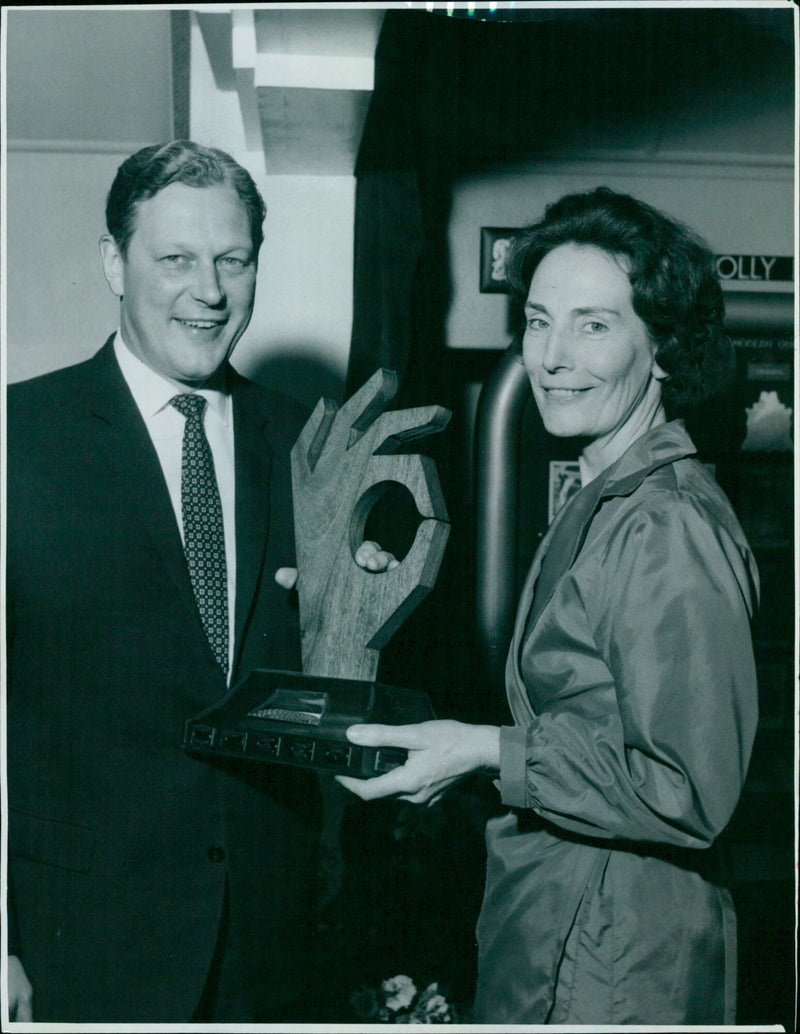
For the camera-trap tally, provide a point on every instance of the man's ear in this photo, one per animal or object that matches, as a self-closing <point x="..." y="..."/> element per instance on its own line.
<point x="113" y="264"/>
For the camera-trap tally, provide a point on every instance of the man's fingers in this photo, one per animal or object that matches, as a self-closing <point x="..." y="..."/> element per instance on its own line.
<point x="366" y="550"/>
<point x="20" y="992"/>
<point x="24" y="1013"/>
<point x="371" y="557"/>
<point x="286" y="577"/>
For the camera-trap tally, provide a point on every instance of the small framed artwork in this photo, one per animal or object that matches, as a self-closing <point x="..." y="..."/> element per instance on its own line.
<point x="495" y="242"/>
<point x="565" y="481"/>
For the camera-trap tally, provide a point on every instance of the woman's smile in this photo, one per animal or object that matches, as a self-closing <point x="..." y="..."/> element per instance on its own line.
<point x="554" y="394"/>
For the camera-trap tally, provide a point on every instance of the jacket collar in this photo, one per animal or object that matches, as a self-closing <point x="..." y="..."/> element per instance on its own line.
<point x="656" y="448"/>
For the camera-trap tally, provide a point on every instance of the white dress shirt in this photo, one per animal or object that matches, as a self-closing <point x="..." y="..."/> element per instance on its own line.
<point x="152" y="394"/>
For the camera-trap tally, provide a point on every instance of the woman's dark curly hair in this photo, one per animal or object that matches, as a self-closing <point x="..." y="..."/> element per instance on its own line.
<point x="672" y="271"/>
<point x="145" y="173"/>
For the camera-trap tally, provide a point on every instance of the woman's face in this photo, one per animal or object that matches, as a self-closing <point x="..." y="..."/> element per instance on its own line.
<point x="589" y="357"/>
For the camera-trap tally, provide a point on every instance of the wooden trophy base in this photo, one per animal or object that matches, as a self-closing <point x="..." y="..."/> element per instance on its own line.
<point x="288" y="718"/>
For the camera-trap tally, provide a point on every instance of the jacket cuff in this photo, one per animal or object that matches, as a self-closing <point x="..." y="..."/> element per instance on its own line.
<point x="513" y="767"/>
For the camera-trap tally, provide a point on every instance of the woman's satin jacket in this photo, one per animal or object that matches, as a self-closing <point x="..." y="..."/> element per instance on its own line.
<point x="635" y="706"/>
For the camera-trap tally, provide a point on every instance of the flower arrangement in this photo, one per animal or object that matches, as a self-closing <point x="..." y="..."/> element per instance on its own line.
<point x="397" y="1000"/>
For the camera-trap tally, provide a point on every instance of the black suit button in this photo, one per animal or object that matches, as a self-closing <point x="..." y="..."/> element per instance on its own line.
<point x="216" y="853"/>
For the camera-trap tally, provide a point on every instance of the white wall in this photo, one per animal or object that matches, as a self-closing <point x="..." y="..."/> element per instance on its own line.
<point x="59" y="309"/>
<point x="82" y="75"/>
<point x="304" y="302"/>
<point x="83" y="89"/>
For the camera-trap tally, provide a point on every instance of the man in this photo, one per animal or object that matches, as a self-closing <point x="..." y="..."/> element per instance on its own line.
<point x="147" y="885"/>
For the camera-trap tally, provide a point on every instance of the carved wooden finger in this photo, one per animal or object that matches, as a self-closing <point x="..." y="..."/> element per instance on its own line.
<point x="341" y="464"/>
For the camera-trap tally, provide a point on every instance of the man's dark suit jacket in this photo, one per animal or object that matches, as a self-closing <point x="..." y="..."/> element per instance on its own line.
<point x="119" y="843"/>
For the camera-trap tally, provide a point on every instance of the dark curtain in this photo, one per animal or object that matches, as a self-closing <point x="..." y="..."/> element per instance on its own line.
<point x="402" y="183"/>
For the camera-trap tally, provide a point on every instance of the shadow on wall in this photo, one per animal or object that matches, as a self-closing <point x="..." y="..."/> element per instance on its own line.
<point x="303" y="377"/>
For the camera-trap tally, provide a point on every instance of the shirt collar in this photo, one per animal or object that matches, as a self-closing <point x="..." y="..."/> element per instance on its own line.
<point x="153" y="392"/>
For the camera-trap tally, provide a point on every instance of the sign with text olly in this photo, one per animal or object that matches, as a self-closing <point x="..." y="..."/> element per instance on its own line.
<point x="770" y="268"/>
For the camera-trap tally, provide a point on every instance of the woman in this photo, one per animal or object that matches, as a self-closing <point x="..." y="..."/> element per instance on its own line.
<point x="630" y="675"/>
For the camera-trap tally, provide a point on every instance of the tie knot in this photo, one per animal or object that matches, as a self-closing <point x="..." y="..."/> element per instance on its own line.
<point x="188" y="404"/>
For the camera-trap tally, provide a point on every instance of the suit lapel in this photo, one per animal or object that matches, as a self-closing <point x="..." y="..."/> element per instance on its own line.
<point x="253" y="470"/>
<point x="121" y="435"/>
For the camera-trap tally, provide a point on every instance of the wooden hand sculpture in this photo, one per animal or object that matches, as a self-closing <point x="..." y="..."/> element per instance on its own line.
<point x="342" y="463"/>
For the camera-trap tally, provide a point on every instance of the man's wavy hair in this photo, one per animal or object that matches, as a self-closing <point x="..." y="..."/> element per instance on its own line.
<point x="676" y="292"/>
<point x="152" y="168"/>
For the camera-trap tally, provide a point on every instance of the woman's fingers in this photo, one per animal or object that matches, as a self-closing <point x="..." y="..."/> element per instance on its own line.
<point x="440" y="752"/>
<point x="412" y="737"/>
<point x="388" y="785"/>
<point x="423" y="776"/>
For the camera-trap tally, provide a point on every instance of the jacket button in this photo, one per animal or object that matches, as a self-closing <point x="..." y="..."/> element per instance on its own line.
<point x="216" y="853"/>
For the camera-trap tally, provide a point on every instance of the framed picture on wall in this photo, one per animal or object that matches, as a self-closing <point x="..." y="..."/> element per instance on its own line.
<point x="495" y="242"/>
<point x="564" y="482"/>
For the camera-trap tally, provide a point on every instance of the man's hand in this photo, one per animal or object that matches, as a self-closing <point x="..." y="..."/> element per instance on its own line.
<point x="20" y="992"/>
<point x="369" y="555"/>
<point x="439" y="753"/>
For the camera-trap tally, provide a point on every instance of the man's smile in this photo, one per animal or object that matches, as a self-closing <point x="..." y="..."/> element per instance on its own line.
<point x="200" y="324"/>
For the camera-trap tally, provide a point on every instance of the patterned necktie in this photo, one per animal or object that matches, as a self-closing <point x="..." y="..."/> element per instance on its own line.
<point x="203" y="534"/>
